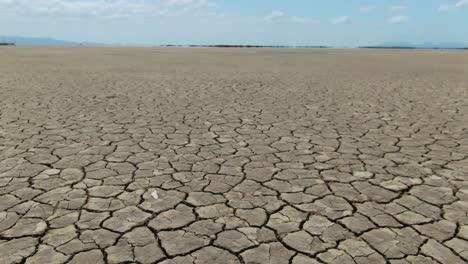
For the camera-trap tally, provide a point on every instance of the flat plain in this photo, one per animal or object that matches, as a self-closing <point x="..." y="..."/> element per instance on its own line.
<point x="141" y="155"/>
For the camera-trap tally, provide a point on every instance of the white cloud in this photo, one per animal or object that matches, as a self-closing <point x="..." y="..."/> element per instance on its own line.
<point x="398" y="8"/>
<point x="342" y="20"/>
<point x="457" y="5"/>
<point x="178" y="2"/>
<point x="102" y="8"/>
<point x="6" y="2"/>
<point x="279" y="16"/>
<point x="445" y="8"/>
<point x="300" y="20"/>
<point x="398" y="20"/>
<point x="367" y="9"/>
<point x="304" y="20"/>
<point x="275" y="16"/>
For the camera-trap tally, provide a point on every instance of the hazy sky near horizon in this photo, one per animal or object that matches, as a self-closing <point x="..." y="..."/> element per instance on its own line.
<point x="267" y="22"/>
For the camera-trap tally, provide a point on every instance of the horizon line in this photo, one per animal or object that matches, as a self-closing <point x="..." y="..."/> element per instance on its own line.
<point x="245" y="46"/>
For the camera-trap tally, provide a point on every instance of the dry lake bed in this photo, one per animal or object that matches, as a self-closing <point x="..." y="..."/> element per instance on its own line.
<point x="121" y="155"/>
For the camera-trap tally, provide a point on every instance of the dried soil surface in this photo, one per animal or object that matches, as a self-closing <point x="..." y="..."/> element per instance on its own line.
<point x="111" y="155"/>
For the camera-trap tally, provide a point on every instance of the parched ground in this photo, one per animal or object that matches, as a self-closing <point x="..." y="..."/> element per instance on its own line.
<point x="233" y="156"/>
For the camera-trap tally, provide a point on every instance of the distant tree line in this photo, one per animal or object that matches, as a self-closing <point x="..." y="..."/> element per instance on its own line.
<point x="7" y="44"/>
<point x="242" y="46"/>
<point x="386" y="47"/>
<point x="410" y="48"/>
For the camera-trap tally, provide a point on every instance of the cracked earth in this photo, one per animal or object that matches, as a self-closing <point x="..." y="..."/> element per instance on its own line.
<point x="233" y="156"/>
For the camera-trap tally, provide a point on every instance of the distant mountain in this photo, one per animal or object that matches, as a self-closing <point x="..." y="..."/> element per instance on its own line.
<point x="426" y="45"/>
<point x="33" y="41"/>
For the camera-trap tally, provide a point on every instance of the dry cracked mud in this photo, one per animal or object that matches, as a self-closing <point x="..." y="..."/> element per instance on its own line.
<point x="233" y="156"/>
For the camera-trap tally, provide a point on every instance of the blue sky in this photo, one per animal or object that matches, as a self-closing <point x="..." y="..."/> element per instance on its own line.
<point x="344" y="23"/>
